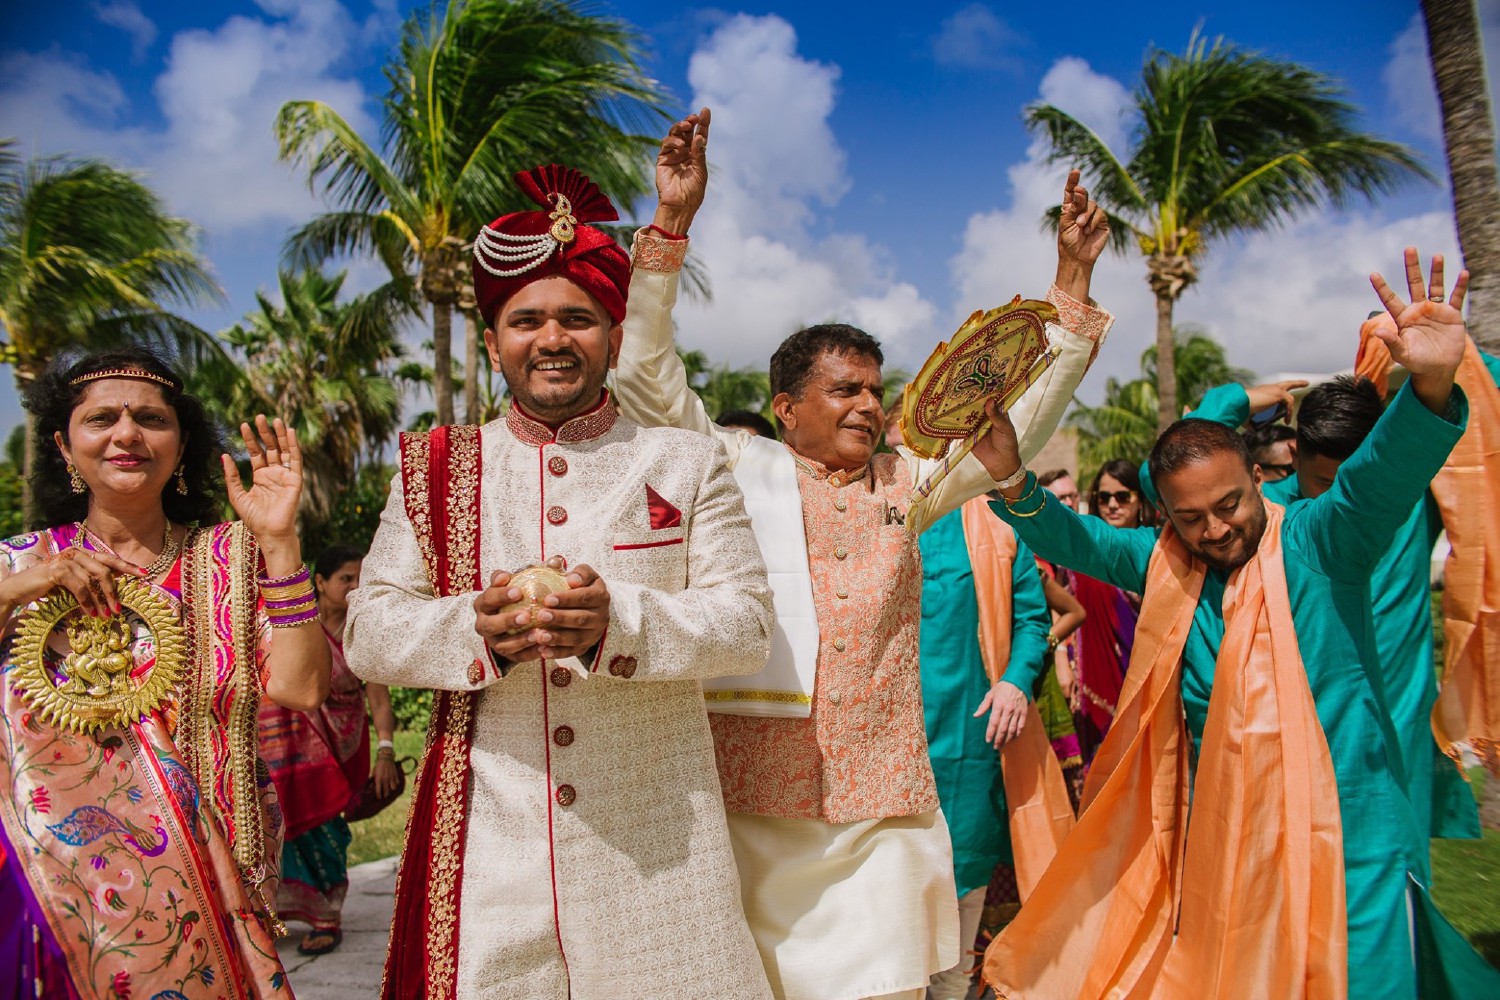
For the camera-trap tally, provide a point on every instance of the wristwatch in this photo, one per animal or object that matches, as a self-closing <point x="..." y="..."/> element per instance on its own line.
<point x="1014" y="479"/>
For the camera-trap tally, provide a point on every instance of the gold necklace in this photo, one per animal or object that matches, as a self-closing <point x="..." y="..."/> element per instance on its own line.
<point x="159" y="565"/>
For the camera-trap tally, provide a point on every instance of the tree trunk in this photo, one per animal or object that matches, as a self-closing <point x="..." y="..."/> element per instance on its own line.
<point x="29" y="514"/>
<point x="442" y="361"/>
<point x="471" y="367"/>
<point x="1489" y="803"/>
<point x="1453" y="44"/>
<point x="1166" y="365"/>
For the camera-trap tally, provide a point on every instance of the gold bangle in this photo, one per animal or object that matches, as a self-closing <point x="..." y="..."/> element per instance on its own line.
<point x="1032" y="513"/>
<point x="1022" y="499"/>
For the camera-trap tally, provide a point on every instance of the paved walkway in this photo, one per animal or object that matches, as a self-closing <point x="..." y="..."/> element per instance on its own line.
<point x="352" y="970"/>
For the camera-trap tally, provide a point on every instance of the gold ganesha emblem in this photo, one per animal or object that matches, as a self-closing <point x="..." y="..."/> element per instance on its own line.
<point x="94" y="687"/>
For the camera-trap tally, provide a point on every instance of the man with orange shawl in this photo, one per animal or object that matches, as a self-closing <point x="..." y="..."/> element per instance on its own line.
<point x="1334" y="418"/>
<point x="1255" y="638"/>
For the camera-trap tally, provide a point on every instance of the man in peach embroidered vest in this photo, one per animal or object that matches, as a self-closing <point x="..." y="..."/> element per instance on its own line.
<point x="1293" y="866"/>
<point x="567" y="839"/>
<point x="844" y="858"/>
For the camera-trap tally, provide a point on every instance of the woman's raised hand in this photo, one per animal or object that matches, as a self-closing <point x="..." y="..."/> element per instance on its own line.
<point x="269" y="506"/>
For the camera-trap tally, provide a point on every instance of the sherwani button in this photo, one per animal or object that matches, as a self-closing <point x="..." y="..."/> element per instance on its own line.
<point x="843" y="594"/>
<point x="840" y="553"/>
<point x="834" y="698"/>
<point x="557" y="465"/>
<point x="627" y="669"/>
<point x="566" y="795"/>
<point x="840" y="503"/>
<point x="563" y="736"/>
<point x="561" y="677"/>
<point x="839" y="644"/>
<point x="476" y="672"/>
<point x="616" y="665"/>
<point x="556" y="515"/>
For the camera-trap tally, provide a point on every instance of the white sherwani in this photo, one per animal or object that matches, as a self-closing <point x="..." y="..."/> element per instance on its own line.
<point x="596" y="862"/>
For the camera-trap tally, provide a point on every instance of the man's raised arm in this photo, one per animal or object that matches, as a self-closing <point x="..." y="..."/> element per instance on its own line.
<point x="650" y="380"/>
<point x="1082" y="235"/>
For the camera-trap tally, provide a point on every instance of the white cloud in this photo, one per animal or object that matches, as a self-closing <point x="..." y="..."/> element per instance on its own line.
<point x="214" y="160"/>
<point x="1287" y="300"/>
<point x="1407" y="75"/>
<point x="976" y="38"/>
<point x="1100" y="102"/>
<point x="775" y="162"/>
<point x="126" y="16"/>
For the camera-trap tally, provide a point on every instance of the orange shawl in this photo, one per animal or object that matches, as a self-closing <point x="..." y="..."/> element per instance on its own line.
<point x="1468" y="494"/>
<point x="1373" y="359"/>
<point x="1040" y="814"/>
<point x="1254" y="886"/>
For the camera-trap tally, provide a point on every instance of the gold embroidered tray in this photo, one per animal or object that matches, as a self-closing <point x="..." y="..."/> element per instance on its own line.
<point x="95" y="688"/>
<point x="999" y="352"/>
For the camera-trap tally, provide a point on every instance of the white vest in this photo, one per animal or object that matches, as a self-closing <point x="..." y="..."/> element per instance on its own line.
<point x="767" y="474"/>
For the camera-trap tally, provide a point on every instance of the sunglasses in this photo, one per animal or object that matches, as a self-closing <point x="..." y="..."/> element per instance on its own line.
<point x="1121" y="497"/>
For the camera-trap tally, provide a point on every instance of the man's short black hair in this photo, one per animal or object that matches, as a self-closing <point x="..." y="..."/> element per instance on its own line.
<point x="748" y="419"/>
<point x="1262" y="436"/>
<point x="1190" y="441"/>
<point x="1336" y="417"/>
<point x="792" y="364"/>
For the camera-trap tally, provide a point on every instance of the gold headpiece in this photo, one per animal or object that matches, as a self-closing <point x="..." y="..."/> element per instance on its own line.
<point x="124" y="373"/>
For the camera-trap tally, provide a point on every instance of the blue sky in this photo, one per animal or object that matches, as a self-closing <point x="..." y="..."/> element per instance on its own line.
<point x="870" y="160"/>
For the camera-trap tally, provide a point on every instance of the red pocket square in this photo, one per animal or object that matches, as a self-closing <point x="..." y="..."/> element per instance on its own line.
<point x="663" y="514"/>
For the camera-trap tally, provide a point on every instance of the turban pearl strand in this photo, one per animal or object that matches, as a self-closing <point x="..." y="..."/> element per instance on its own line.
<point x="507" y="249"/>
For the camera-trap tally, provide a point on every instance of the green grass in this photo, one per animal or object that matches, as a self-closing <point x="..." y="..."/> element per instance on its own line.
<point x="1466" y="884"/>
<point x="380" y="836"/>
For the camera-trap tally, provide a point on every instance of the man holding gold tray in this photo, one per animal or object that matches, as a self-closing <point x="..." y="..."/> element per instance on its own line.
<point x="844" y="858"/>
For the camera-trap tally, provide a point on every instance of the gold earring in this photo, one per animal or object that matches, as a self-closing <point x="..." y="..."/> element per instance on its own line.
<point x="181" y="482"/>
<point x="75" y="480"/>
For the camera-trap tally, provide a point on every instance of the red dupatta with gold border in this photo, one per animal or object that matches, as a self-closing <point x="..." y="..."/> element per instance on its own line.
<point x="440" y="476"/>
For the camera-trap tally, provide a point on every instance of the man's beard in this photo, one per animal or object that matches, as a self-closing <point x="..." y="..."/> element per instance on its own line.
<point x="1239" y="548"/>
<point x="555" y="402"/>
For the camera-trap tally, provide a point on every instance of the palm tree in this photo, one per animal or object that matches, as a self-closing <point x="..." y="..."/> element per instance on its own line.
<point x="479" y="91"/>
<point x="1124" y="425"/>
<point x="330" y="367"/>
<point x="1229" y="141"/>
<point x="89" y="258"/>
<point x="1453" y="44"/>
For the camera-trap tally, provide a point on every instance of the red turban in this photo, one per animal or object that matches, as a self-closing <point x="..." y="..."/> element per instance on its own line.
<point x="517" y="249"/>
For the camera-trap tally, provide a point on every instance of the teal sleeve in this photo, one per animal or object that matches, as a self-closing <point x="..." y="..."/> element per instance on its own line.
<point x="1085" y="544"/>
<point x="1030" y="622"/>
<point x="1349" y="528"/>
<point x="1223" y="404"/>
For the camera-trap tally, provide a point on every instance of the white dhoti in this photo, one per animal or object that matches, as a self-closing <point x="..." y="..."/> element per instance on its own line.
<point x="847" y="911"/>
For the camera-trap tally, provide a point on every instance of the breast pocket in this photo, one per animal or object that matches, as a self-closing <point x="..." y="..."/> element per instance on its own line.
<point x="656" y="559"/>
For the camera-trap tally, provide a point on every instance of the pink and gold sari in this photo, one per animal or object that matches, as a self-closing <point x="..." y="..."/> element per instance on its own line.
<point x="138" y="861"/>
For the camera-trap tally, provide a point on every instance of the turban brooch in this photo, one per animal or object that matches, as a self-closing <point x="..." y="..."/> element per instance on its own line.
<point x="517" y="249"/>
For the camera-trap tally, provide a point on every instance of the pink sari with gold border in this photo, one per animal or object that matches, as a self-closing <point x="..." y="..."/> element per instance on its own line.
<point x="141" y="857"/>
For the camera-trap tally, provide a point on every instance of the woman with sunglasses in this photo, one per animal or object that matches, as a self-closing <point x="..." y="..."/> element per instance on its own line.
<point x="1104" y="641"/>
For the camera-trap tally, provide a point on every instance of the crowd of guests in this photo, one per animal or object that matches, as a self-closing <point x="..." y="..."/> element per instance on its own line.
<point x="721" y="714"/>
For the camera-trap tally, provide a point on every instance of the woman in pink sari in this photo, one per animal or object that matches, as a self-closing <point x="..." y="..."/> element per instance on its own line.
<point x="139" y="831"/>
<point x="319" y="762"/>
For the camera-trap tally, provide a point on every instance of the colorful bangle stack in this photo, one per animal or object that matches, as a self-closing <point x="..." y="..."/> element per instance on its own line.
<point x="290" y="600"/>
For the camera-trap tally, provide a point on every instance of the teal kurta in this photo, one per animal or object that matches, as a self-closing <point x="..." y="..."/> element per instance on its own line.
<point x="967" y="768"/>
<point x="1401" y="604"/>
<point x="1330" y="545"/>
